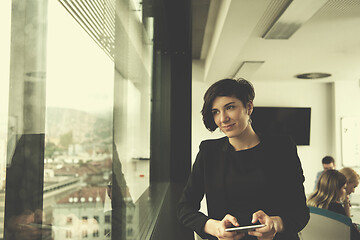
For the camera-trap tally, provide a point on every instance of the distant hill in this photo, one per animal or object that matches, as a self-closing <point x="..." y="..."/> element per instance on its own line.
<point x="84" y="126"/>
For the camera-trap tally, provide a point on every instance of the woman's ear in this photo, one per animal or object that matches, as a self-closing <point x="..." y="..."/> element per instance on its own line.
<point x="250" y="108"/>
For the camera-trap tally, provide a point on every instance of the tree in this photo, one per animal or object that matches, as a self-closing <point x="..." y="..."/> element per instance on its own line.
<point x="66" y="139"/>
<point x="50" y="148"/>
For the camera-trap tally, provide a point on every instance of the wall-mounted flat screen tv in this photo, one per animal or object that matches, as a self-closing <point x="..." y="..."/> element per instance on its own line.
<point x="293" y="121"/>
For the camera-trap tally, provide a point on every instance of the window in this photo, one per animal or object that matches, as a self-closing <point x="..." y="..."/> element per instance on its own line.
<point x="86" y="103"/>
<point x="107" y="232"/>
<point x="8" y="124"/>
<point x="84" y="234"/>
<point x="68" y="234"/>
<point x="96" y="233"/>
<point x="107" y="219"/>
<point x="130" y="232"/>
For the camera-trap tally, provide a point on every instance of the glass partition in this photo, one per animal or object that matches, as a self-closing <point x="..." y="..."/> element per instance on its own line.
<point x="5" y="19"/>
<point x="77" y="132"/>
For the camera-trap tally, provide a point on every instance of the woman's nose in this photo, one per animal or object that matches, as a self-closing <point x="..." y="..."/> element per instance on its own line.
<point x="224" y="117"/>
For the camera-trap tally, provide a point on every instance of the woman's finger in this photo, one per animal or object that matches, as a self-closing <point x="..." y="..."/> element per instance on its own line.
<point x="257" y="216"/>
<point x="231" y="219"/>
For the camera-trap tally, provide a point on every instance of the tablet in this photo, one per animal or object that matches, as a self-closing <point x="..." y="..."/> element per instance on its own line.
<point x="244" y="228"/>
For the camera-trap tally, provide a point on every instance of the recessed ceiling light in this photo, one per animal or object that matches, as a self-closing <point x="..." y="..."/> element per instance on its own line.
<point x="247" y="69"/>
<point x="313" y="75"/>
<point x="295" y="15"/>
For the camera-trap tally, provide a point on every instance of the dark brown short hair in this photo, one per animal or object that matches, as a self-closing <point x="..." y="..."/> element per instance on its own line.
<point x="239" y="88"/>
<point x="327" y="160"/>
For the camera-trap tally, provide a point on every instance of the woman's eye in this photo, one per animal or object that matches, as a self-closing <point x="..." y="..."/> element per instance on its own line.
<point x="214" y="112"/>
<point x="230" y="107"/>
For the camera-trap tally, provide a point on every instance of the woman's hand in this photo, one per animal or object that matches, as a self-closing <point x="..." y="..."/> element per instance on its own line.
<point x="347" y="205"/>
<point x="273" y="224"/>
<point x="217" y="228"/>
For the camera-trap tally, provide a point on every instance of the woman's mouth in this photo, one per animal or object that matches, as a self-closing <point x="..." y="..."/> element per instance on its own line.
<point x="228" y="127"/>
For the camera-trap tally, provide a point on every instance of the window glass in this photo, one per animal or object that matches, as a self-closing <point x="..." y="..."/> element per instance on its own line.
<point x="78" y="133"/>
<point x="5" y="18"/>
<point x="78" y="127"/>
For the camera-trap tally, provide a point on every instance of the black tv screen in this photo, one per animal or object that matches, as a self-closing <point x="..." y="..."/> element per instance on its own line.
<point x="293" y="121"/>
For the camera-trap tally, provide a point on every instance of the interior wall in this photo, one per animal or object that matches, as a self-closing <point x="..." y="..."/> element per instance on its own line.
<point x="347" y="98"/>
<point x="318" y="96"/>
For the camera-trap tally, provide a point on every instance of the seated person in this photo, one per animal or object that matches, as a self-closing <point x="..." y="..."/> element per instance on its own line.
<point x="328" y="162"/>
<point x="352" y="182"/>
<point x="330" y="194"/>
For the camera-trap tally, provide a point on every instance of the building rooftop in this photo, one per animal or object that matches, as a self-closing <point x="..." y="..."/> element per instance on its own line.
<point x="85" y="195"/>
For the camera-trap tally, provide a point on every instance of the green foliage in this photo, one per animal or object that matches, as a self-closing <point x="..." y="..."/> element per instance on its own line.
<point x="66" y="139"/>
<point x="50" y="149"/>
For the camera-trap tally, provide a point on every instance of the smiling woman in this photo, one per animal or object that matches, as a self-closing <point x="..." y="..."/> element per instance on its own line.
<point x="232" y="117"/>
<point x="237" y="173"/>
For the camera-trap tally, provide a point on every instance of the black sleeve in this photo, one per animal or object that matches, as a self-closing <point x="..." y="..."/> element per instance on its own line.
<point x="294" y="211"/>
<point x="189" y="204"/>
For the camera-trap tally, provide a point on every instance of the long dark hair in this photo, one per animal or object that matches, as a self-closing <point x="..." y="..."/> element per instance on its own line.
<point x="327" y="189"/>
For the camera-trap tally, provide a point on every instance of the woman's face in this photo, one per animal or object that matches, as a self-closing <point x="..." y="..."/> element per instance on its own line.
<point x="231" y="116"/>
<point x="351" y="187"/>
<point x="343" y="192"/>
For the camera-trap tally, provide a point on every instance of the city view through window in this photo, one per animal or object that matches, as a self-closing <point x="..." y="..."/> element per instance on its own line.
<point x="78" y="131"/>
<point x="94" y="97"/>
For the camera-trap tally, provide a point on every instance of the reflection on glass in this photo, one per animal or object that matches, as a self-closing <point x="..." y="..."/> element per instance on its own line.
<point x="5" y="17"/>
<point x="78" y="125"/>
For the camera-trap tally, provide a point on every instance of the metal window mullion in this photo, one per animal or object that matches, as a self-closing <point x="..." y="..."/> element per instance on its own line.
<point x="110" y="15"/>
<point x="111" y="5"/>
<point x="68" y="6"/>
<point x="107" y="18"/>
<point x="83" y="24"/>
<point x="106" y="28"/>
<point x="80" y="17"/>
<point x="108" y="8"/>
<point x="95" y="15"/>
<point x="89" y="19"/>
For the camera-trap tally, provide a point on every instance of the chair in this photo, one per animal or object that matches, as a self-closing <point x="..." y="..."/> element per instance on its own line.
<point x="326" y="225"/>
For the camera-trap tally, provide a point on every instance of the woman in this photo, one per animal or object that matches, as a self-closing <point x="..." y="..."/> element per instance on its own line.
<point x="330" y="192"/>
<point x="352" y="179"/>
<point x="246" y="177"/>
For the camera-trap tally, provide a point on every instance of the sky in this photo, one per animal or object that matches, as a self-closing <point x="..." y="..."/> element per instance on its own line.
<point x="79" y="74"/>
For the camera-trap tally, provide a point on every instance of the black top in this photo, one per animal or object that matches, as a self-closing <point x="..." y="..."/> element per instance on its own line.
<point x="244" y="176"/>
<point x="282" y="191"/>
<point x="337" y="207"/>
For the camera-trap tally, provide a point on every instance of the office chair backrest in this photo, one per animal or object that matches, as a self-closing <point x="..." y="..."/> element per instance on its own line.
<point x="326" y="225"/>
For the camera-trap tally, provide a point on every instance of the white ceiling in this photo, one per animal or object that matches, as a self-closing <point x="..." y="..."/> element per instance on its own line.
<point x="329" y="42"/>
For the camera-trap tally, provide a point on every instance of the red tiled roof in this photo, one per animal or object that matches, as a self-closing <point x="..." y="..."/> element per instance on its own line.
<point x="85" y="195"/>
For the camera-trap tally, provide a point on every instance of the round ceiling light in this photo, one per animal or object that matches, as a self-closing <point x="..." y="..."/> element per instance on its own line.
<point x="313" y="75"/>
